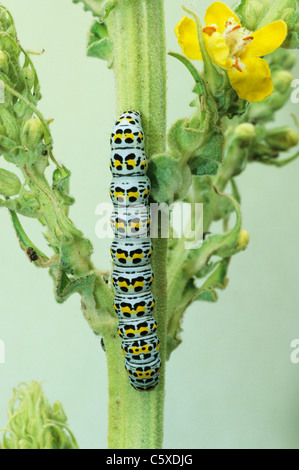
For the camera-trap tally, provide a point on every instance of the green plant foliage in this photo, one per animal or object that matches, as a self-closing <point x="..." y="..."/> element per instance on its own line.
<point x="99" y="44"/>
<point x="35" y="424"/>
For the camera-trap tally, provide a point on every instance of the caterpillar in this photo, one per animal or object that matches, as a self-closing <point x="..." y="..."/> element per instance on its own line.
<point x="131" y="252"/>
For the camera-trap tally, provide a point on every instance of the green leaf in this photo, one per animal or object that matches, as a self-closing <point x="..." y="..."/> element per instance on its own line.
<point x="61" y="185"/>
<point x="211" y="154"/>
<point x="217" y="280"/>
<point x="10" y="184"/>
<point x="235" y="191"/>
<point x="99" y="8"/>
<point x="201" y="166"/>
<point x="184" y="139"/>
<point x="170" y="177"/>
<point x="99" y="44"/>
<point x="199" y="84"/>
<point x="23" y="238"/>
<point x="107" y="6"/>
<point x="95" y="6"/>
<point x="219" y="244"/>
<point x="199" y="140"/>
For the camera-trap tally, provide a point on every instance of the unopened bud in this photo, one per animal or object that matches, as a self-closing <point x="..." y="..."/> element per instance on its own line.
<point x="289" y="16"/>
<point x="243" y="239"/>
<point x="282" y="80"/>
<point x="33" y="133"/>
<point x="282" y="138"/>
<point x="10" y="184"/>
<point x="252" y="13"/>
<point x="289" y="60"/>
<point x="245" y="131"/>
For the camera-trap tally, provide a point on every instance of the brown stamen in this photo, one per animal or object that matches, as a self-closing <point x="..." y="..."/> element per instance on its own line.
<point x="237" y="66"/>
<point x="235" y="28"/>
<point x="209" y="30"/>
<point x="248" y="38"/>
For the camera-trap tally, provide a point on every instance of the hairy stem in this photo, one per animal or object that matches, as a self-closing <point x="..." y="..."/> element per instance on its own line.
<point x="137" y="28"/>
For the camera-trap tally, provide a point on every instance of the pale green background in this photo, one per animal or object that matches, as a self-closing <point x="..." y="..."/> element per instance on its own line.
<point x="231" y="383"/>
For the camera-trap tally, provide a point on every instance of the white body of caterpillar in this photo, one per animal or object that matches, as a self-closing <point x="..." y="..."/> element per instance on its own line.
<point x="131" y="251"/>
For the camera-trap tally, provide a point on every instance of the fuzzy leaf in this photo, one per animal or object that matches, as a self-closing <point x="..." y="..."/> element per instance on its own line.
<point x="211" y="153"/>
<point x="95" y="6"/>
<point x="61" y="185"/>
<point x="170" y="178"/>
<point x="219" y="244"/>
<point x="199" y="84"/>
<point x="10" y="184"/>
<point x="200" y="139"/>
<point x="217" y="280"/>
<point x="99" y="44"/>
<point x="183" y="139"/>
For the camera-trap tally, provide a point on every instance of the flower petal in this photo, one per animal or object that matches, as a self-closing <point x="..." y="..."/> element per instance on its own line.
<point x="217" y="48"/>
<point x="218" y="14"/>
<point x="254" y="83"/>
<point x="186" y="32"/>
<point x="266" y="39"/>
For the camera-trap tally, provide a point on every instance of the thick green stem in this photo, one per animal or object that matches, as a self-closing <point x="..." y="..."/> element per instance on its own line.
<point x="137" y="29"/>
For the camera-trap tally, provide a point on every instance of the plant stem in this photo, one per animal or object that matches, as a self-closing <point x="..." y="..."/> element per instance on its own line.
<point x="137" y="29"/>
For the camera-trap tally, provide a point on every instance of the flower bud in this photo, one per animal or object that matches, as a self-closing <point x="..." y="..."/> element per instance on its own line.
<point x="278" y="10"/>
<point x="292" y="40"/>
<point x="289" y="17"/>
<point x="10" y="184"/>
<point x="245" y="131"/>
<point x="282" y="138"/>
<point x="251" y="12"/>
<point x="289" y="60"/>
<point x="282" y="80"/>
<point x="32" y="133"/>
<point x="243" y="239"/>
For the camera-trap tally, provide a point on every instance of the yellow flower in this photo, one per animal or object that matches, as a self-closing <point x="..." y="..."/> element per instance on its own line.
<point x="235" y="49"/>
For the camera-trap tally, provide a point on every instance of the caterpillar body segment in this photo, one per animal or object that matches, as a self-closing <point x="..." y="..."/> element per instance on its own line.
<point x="137" y="328"/>
<point x="141" y="350"/>
<point x="131" y="252"/>
<point x="134" y="306"/>
<point x="132" y="280"/>
<point x="130" y="190"/>
<point x="131" y="221"/>
<point x="145" y="376"/>
<point x="131" y="118"/>
<point x="128" y="162"/>
<point x="124" y="137"/>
